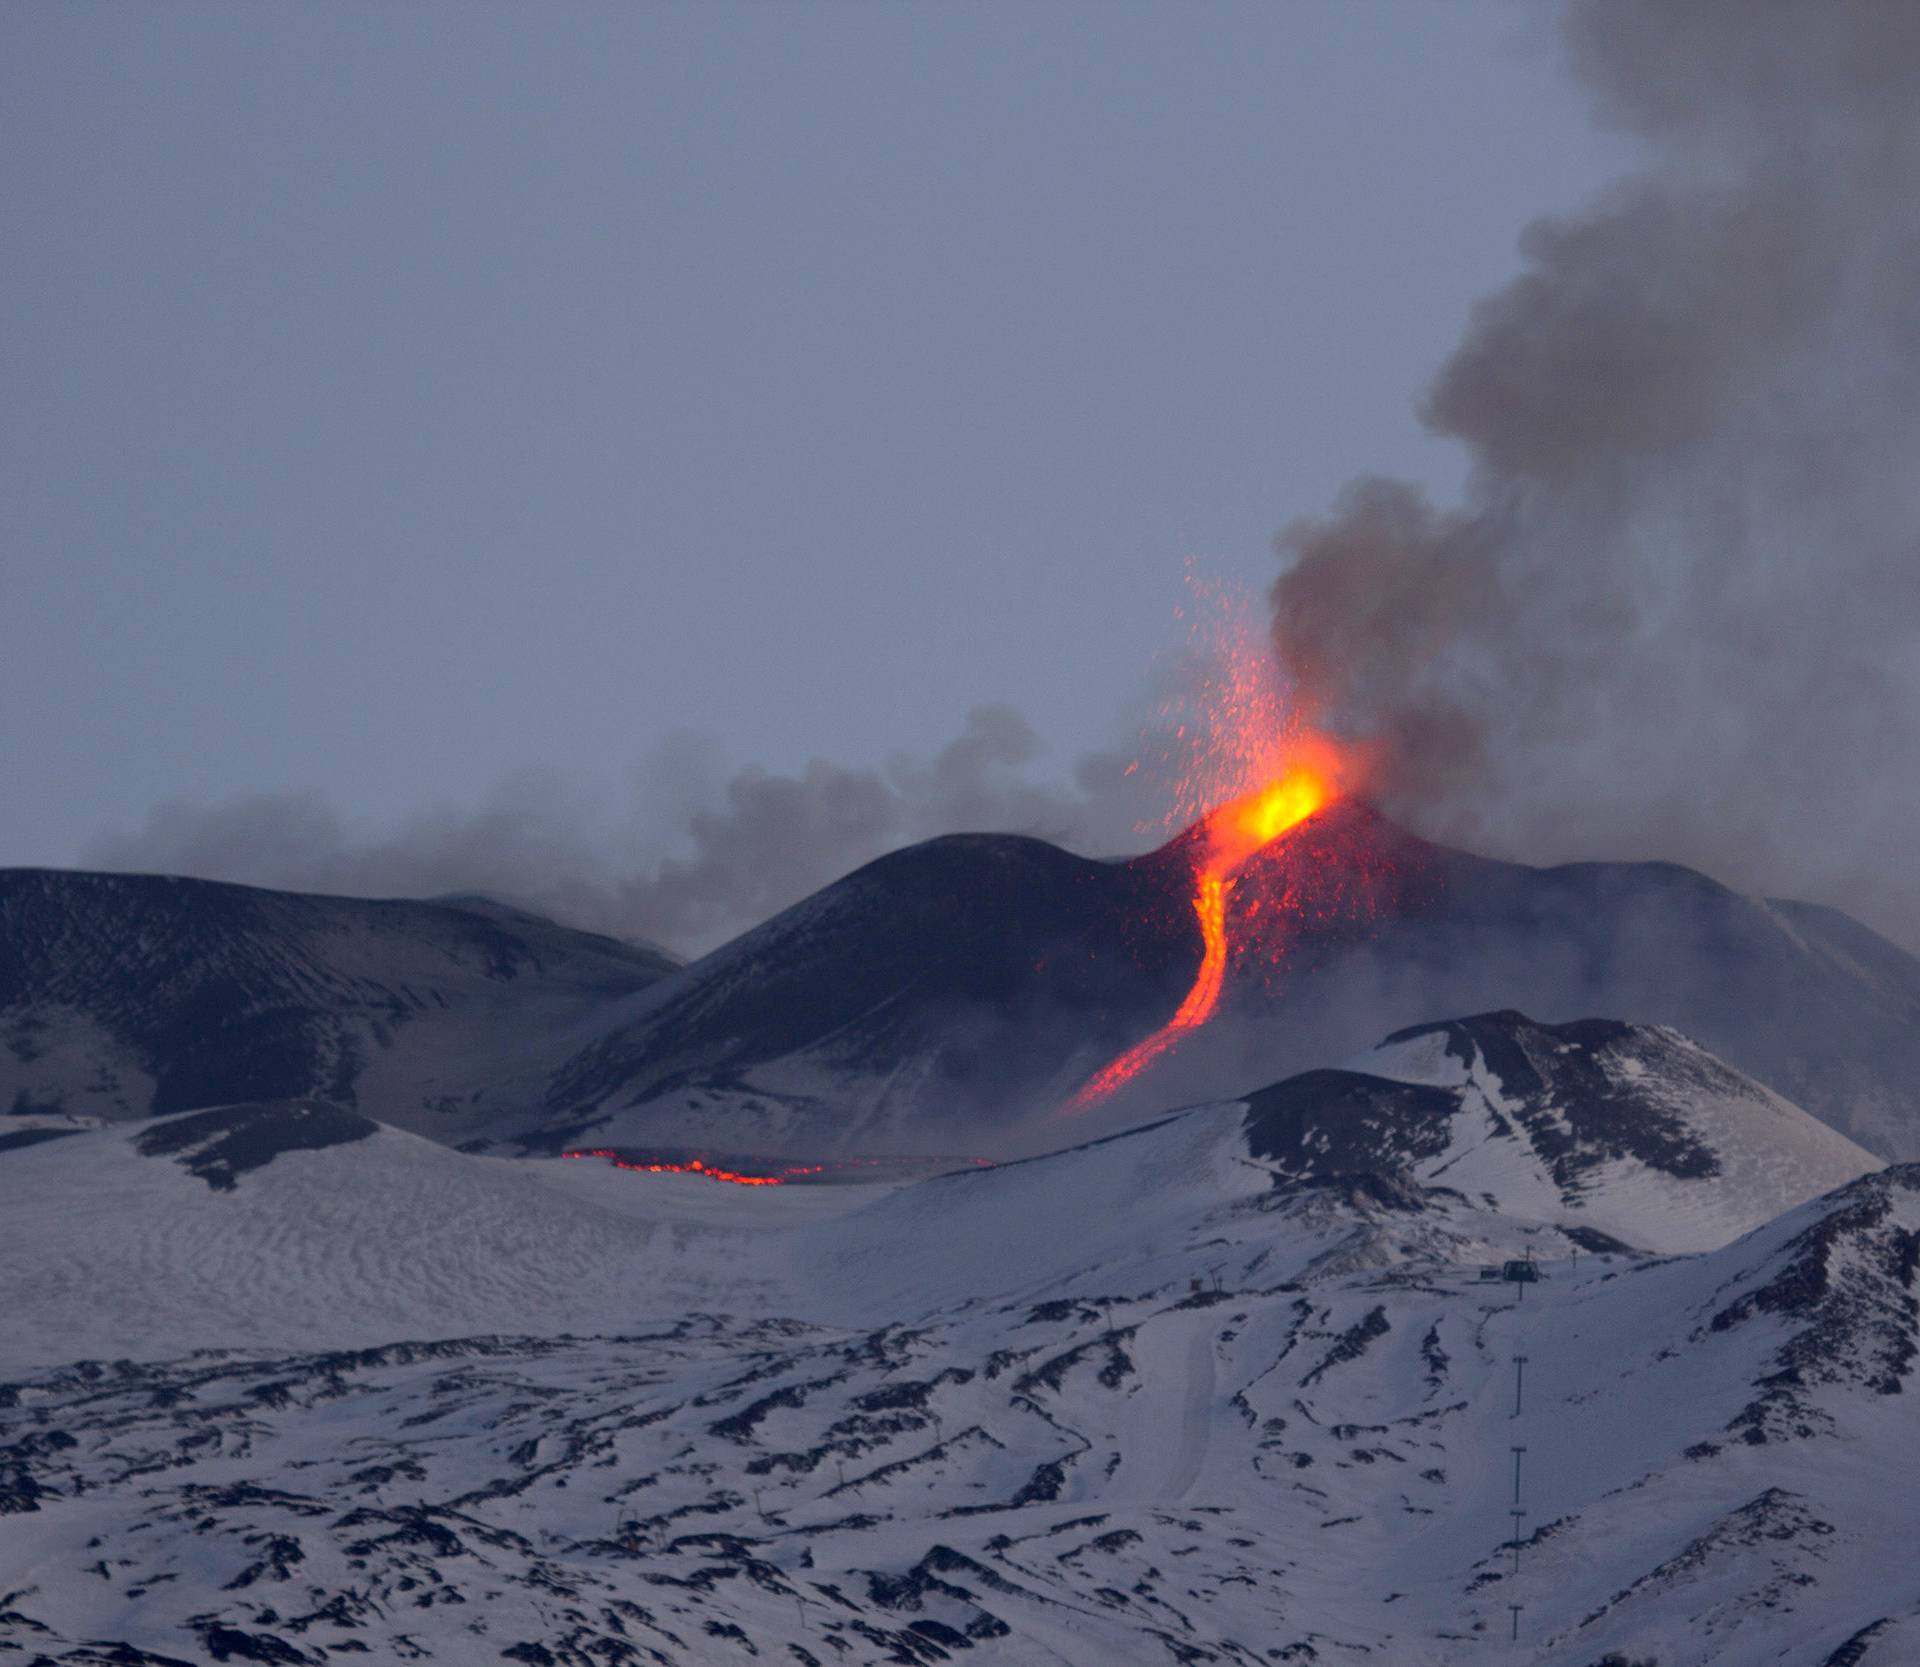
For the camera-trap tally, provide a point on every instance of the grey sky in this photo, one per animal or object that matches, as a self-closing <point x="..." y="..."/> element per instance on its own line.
<point x="396" y="399"/>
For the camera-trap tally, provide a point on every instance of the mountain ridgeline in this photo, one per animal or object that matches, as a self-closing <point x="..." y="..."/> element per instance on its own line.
<point x="947" y="997"/>
<point x="960" y="990"/>
<point x="282" y="1381"/>
<point x="126" y="995"/>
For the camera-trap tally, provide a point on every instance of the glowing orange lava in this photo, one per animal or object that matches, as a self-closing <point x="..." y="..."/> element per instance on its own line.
<point x="1232" y="834"/>
<point x="694" y="1166"/>
<point x="1232" y="752"/>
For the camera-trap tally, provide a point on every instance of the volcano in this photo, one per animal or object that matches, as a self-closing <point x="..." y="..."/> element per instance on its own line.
<point x="952" y="997"/>
<point x="961" y="991"/>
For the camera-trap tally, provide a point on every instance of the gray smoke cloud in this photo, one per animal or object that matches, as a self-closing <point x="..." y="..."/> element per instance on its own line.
<point x="1678" y="613"/>
<point x="695" y="860"/>
<point x="772" y="839"/>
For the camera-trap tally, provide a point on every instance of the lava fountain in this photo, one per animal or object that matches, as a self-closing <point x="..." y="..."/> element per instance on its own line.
<point x="1230" y="835"/>
<point x="1234" y="729"/>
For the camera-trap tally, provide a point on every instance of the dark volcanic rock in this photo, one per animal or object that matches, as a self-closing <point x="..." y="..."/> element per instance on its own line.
<point x="13" y="1141"/>
<point x="938" y="996"/>
<point x="1579" y="1107"/>
<point x="971" y="982"/>
<point x="1846" y="1282"/>
<point x="1325" y="1123"/>
<point x="1578" y="1096"/>
<point x="982" y="962"/>
<point x="125" y="995"/>
<point x="224" y="1143"/>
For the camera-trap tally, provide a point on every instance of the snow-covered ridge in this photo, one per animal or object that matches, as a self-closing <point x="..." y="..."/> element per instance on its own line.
<point x="270" y="1224"/>
<point x="1244" y="1452"/>
<point x="1633" y="1131"/>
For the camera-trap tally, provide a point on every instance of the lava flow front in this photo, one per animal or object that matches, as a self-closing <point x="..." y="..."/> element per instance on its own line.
<point x="664" y="1164"/>
<point x="744" y="1170"/>
<point x="1231" y="835"/>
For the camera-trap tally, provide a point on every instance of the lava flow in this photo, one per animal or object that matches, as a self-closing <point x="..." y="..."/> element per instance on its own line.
<point x="1232" y="834"/>
<point x="745" y="1170"/>
<point x="694" y="1166"/>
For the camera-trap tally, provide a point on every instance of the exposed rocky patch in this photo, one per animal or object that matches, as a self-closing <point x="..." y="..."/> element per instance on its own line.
<point x="220" y="1145"/>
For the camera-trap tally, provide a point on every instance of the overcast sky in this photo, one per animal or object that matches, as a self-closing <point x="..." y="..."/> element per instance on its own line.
<point x="397" y="399"/>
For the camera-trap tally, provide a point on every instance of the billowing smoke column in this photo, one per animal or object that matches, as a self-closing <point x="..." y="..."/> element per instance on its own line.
<point x="1678" y="612"/>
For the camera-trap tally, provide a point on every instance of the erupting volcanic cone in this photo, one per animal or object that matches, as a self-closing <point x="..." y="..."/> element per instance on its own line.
<point x="1228" y="837"/>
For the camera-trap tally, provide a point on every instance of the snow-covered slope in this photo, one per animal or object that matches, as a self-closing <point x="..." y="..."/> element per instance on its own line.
<point x="124" y="994"/>
<point x="298" y="1224"/>
<point x="1595" y="1124"/>
<point x="1249" y="1452"/>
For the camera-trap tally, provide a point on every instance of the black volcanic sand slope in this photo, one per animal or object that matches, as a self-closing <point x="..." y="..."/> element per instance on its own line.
<point x="1569" y="1089"/>
<point x="223" y="1143"/>
<point x="941" y="997"/>
<point x="1801" y="997"/>
<point x="964" y="985"/>
<point x="1384" y="930"/>
<point x="1325" y="1123"/>
<point x="124" y="995"/>
<point x="15" y="1139"/>
<point x="1809" y="1002"/>
<point x="979" y="963"/>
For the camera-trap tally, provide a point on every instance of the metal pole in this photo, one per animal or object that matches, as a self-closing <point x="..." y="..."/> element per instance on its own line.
<point x="1516" y="1473"/>
<point x="1519" y="1373"/>
<point x="1516" y="1515"/>
<point x="1516" y="1620"/>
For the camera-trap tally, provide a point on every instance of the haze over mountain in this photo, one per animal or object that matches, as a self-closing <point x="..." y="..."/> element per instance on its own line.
<point x="946" y="998"/>
<point x="957" y="991"/>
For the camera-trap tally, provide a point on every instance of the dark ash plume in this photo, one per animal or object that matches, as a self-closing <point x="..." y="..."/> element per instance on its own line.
<point x="1678" y="614"/>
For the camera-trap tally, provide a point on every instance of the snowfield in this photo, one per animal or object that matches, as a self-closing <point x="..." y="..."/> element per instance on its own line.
<point x="284" y="1384"/>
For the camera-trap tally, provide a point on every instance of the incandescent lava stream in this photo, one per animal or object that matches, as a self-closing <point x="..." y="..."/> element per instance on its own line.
<point x="1232" y="834"/>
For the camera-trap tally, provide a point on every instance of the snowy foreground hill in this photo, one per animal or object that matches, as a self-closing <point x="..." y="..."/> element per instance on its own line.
<point x="1228" y="1388"/>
